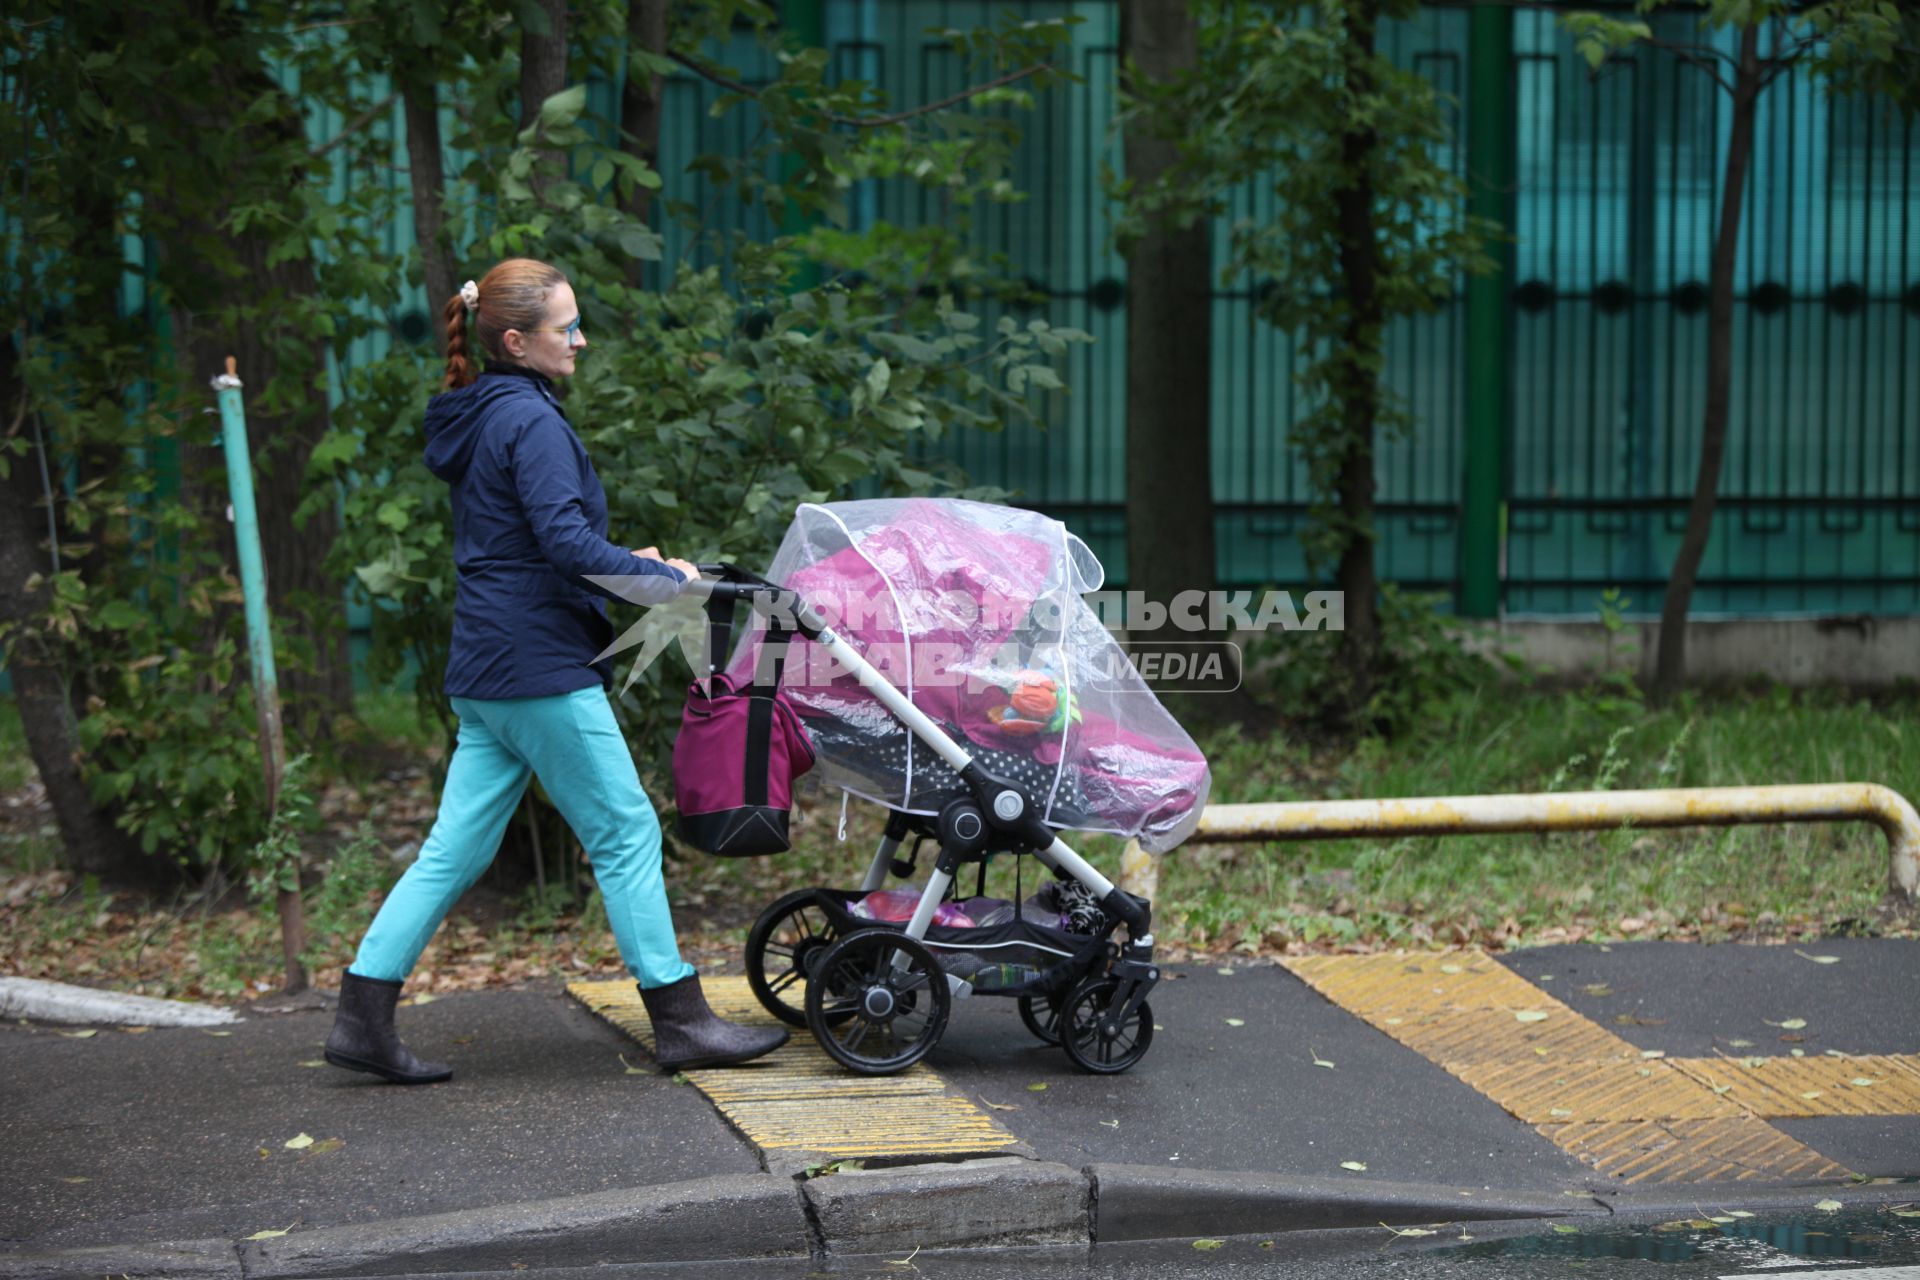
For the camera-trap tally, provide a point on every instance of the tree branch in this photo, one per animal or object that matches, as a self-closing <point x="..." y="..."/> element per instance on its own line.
<point x="867" y="122"/>
<point x="358" y="123"/>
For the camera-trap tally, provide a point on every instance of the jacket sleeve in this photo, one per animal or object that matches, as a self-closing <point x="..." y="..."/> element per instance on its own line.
<point x="546" y="475"/>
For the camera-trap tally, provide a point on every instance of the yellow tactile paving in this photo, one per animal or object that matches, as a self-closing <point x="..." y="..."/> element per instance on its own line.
<point x="1737" y="1150"/>
<point x="1876" y="1085"/>
<point x="1637" y="1118"/>
<point x="1573" y="1092"/>
<point x="1460" y="1037"/>
<point x="868" y="1126"/>
<point x="799" y="1099"/>
<point x="1433" y="981"/>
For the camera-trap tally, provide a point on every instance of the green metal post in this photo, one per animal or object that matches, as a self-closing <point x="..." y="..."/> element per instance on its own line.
<point x="1490" y="165"/>
<point x="266" y="682"/>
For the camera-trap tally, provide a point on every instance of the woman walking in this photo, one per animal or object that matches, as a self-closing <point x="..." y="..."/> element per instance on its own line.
<point x="529" y="525"/>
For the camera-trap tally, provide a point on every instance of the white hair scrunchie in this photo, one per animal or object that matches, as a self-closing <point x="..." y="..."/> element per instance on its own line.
<point x="470" y="294"/>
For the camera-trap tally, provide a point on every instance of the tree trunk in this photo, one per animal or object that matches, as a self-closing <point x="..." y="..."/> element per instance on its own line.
<point x="1169" y="495"/>
<point x="91" y="843"/>
<point x="1362" y="357"/>
<point x="1670" y="671"/>
<point x="543" y="73"/>
<point x="641" y="104"/>
<point x="427" y="178"/>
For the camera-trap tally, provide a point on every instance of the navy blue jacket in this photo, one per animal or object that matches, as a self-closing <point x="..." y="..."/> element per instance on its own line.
<point x="529" y="522"/>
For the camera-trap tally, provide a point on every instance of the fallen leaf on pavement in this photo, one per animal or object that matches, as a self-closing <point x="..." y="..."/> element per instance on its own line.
<point x="80" y="1035"/>
<point x="1829" y="1205"/>
<point x="299" y="1142"/>
<point x="1452" y="968"/>
<point x="906" y="1261"/>
<point x="268" y="1235"/>
<point x="1409" y="1231"/>
<point x="425" y="997"/>
<point x="1905" y="1213"/>
<point x="1357" y="1166"/>
<point x="1791" y="1024"/>
<point x="1225" y="973"/>
<point x="1236" y="1022"/>
<point x="1653" y="1053"/>
<point x="1740" y="1044"/>
<point x="76" y="1180"/>
<point x="631" y="1069"/>
<point x="1861" y="1082"/>
<point x="314" y="1062"/>
<point x="1208" y="1246"/>
<point x="218" y="1035"/>
<point x="326" y="1146"/>
<point x="1566" y="1230"/>
<point x="1529" y="1015"/>
<point x="1111" y="1124"/>
<point x="1000" y="1106"/>
<point x="1597" y="989"/>
<point x="1816" y="959"/>
<point x="1319" y="1061"/>
<point x="1810" y="1094"/>
<point x="136" y="1031"/>
<point x="1739" y="1213"/>
<point x="1037" y="1087"/>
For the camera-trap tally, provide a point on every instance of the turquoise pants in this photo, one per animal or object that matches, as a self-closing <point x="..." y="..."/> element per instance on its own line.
<point x="573" y="743"/>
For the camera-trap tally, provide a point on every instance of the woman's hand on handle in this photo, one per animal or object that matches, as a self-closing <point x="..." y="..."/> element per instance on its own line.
<point x="685" y="567"/>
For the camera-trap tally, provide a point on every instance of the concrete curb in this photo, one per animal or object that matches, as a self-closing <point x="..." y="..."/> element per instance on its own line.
<point x="1678" y="1202"/>
<point x="1002" y="1202"/>
<point x="1145" y="1202"/>
<point x="739" y="1216"/>
<point x="62" y="1002"/>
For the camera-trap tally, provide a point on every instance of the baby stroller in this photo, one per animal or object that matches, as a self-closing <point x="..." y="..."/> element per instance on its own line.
<point x="945" y="666"/>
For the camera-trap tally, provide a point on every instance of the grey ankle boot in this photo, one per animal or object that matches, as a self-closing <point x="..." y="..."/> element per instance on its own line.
<point x="363" y="1038"/>
<point x="687" y="1035"/>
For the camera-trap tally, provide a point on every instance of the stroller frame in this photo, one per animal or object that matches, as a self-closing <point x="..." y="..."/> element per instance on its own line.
<point x="881" y="979"/>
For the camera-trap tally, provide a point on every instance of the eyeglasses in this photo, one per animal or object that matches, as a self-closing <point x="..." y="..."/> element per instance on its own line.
<point x="568" y="329"/>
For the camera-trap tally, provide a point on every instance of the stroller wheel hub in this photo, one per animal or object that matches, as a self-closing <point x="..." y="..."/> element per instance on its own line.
<point x="1008" y="805"/>
<point x="878" y="1002"/>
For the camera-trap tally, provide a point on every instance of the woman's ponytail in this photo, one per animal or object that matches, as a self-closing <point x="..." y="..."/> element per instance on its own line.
<point x="459" y="364"/>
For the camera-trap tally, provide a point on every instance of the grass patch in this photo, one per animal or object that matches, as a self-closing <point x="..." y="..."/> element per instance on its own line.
<point x="1254" y="898"/>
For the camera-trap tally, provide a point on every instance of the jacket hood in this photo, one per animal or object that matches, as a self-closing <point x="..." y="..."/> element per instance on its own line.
<point x="456" y="419"/>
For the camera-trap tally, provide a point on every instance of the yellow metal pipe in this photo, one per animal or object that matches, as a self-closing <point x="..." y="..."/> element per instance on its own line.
<point x="1573" y="811"/>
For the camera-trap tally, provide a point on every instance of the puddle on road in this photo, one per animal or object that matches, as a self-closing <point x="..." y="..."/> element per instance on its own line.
<point x="1855" y="1235"/>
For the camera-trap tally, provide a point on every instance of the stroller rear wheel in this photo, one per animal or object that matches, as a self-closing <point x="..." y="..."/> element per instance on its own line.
<point x="783" y="949"/>
<point x="878" y="1002"/>
<point x="1042" y="1016"/>
<point x="1094" y="1048"/>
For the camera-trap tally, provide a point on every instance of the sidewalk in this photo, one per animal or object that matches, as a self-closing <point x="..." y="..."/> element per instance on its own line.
<point x="1259" y="1096"/>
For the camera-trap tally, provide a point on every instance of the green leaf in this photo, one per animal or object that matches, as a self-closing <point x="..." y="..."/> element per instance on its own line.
<point x="879" y="377"/>
<point x="1208" y="1246"/>
<point x="1046" y="379"/>
<point x="563" y="108"/>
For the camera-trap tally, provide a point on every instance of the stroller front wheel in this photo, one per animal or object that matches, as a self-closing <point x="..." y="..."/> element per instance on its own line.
<point x="1091" y="1046"/>
<point x="878" y="1002"/>
<point x="784" y="948"/>
<point x="1042" y="1016"/>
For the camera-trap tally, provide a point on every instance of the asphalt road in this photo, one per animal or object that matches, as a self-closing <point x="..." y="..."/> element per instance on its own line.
<point x="1211" y="1095"/>
<point x="166" y="1127"/>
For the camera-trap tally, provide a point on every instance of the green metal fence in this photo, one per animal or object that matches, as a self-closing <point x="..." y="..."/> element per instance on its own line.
<point x="1615" y="191"/>
<point x="1615" y="184"/>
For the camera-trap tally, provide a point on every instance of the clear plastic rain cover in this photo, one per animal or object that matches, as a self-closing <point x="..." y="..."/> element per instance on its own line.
<point x="975" y="612"/>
